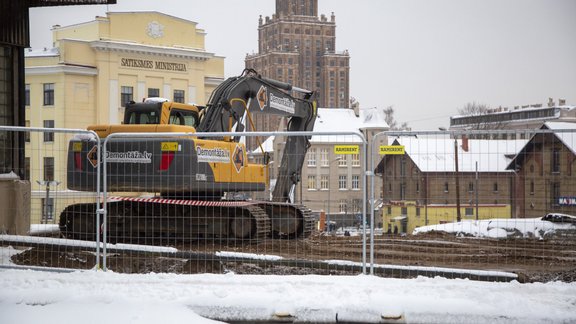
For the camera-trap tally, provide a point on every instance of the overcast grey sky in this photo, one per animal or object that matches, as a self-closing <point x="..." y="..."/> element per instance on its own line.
<point x="425" y="58"/>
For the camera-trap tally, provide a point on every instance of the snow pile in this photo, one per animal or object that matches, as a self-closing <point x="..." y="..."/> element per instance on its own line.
<point x="242" y="255"/>
<point x="9" y="176"/>
<point x="87" y="244"/>
<point x="97" y="297"/>
<point x="356" y="231"/>
<point x="500" y="228"/>
<point x="44" y="229"/>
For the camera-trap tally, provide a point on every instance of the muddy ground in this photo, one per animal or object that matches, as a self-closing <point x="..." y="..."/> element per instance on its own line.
<point x="532" y="259"/>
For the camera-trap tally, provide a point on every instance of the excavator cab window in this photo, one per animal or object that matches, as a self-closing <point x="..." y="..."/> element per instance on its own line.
<point x="183" y="117"/>
<point x="142" y="116"/>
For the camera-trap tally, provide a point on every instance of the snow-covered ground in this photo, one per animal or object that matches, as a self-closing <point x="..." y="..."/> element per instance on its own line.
<point x="28" y="296"/>
<point x="97" y="297"/>
<point x="500" y="228"/>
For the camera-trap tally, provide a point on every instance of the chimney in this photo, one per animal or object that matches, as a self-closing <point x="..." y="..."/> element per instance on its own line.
<point x="465" y="143"/>
<point x="550" y="102"/>
<point x="561" y="102"/>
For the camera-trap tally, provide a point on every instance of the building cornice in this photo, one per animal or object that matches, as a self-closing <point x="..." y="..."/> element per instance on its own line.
<point x="213" y="81"/>
<point x="185" y="53"/>
<point x="58" y="69"/>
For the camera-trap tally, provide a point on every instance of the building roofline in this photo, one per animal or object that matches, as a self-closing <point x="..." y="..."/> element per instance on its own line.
<point x="107" y="45"/>
<point x="61" y="68"/>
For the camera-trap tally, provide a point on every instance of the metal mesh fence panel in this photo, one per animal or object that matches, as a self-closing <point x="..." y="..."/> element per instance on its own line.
<point x="35" y="198"/>
<point x="194" y="203"/>
<point x="493" y="205"/>
<point x="479" y="202"/>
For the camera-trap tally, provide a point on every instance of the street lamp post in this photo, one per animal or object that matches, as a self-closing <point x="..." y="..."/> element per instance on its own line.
<point x="330" y="189"/>
<point x="45" y="210"/>
<point x="477" y="190"/>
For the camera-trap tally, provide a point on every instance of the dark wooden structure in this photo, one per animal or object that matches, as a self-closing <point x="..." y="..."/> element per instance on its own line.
<point x="14" y="38"/>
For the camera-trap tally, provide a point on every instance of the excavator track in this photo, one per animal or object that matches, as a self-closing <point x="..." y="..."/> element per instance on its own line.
<point x="166" y="222"/>
<point x="289" y="221"/>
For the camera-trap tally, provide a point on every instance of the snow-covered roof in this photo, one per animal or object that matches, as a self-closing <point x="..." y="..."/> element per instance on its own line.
<point x="41" y="52"/>
<point x="345" y="120"/>
<point x="267" y="146"/>
<point x="567" y="138"/>
<point x="506" y="111"/>
<point x="436" y="154"/>
<point x="339" y="120"/>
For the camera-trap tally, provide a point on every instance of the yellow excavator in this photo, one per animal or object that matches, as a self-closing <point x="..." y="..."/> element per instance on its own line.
<point x="191" y="175"/>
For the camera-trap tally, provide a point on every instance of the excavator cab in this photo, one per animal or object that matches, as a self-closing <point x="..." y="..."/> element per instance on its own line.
<point x="158" y="113"/>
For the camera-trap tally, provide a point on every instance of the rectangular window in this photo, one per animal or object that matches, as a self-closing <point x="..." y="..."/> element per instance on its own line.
<point x="324" y="157"/>
<point x="404" y="211"/>
<point x="531" y="187"/>
<point x="402" y="191"/>
<point x="153" y="92"/>
<point x="445" y="186"/>
<point x="389" y="210"/>
<point x="469" y="211"/>
<point x="417" y="187"/>
<point x="48" y="169"/>
<point x="27" y="134"/>
<point x="342" y="182"/>
<point x="311" y="182"/>
<point x="48" y="94"/>
<point x="324" y="182"/>
<point x="343" y="206"/>
<point x="179" y="96"/>
<point x="342" y="160"/>
<point x="48" y="136"/>
<point x="417" y="211"/>
<point x="555" y="193"/>
<point x="495" y="188"/>
<point x="355" y="160"/>
<point x="355" y="181"/>
<point x="27" y="168"/>
<point x="470" y="187"/>
<point x="312" y="157"/>
<point x="126" y="95"/>
<point x="27" y="95"/>
<point x="556" y="160"/>
<point x="403" y="167"/>
<point x="356" y="205"/>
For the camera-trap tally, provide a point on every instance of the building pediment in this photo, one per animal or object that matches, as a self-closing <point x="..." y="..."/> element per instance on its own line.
<point x="185" y="53"/>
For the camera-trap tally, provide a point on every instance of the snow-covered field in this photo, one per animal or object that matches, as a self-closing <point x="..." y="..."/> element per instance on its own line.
<point x="97" y="297"/>
<point x="28" y="296"/>
<point x="500" y="228"/>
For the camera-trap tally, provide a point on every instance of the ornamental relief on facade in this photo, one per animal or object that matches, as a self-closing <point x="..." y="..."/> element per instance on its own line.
<point x="155" y="29"/>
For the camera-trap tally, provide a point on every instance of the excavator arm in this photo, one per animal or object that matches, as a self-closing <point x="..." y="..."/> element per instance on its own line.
<point x="237" y="98"/>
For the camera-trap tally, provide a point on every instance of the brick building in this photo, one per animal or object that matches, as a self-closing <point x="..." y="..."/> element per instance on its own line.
<point x="546" y="172"/>
<point x="423" y="186"/>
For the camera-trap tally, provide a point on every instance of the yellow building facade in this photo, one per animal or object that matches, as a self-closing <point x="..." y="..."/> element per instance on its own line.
<point x="89" y="75"/>
<point x="405" y="216"/>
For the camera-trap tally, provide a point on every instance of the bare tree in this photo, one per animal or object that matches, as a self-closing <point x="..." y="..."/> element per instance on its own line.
<point x="479" y="110"/>
<point x="389" y="118"/>
<point x="474" y="109"/>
